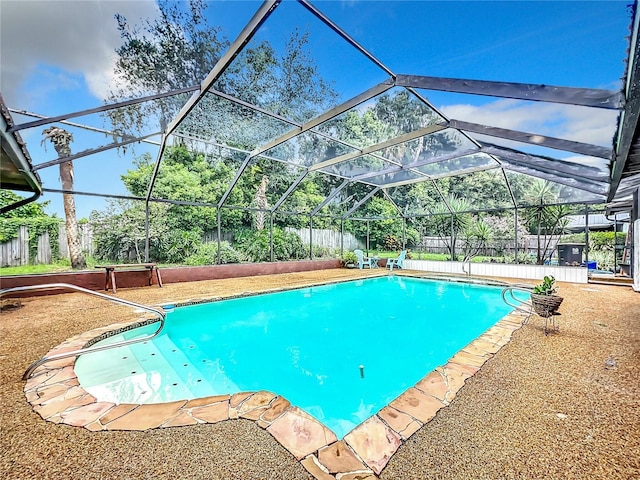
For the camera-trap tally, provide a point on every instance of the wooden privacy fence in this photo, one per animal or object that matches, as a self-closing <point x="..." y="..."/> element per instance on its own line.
<point x="327" y="238"/>
<point x="321" y="238"/>
<point x="15" y="252"/>
<point x="496" y="247"/>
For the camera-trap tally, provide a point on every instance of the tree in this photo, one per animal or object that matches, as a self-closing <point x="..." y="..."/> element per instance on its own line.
<point x="179" y="49"/>
<point x="475" y="238"/>
<point x="449" y="223"/>
<point x="61" y="140"/>
<point x="176" y="50"/>
<point x="261" y="203"/>
<point x="544" y="219"/>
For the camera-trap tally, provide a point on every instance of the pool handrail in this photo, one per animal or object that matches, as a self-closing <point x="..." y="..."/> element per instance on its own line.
<point x="517" y="303"/>
<point x="98" y="348"/>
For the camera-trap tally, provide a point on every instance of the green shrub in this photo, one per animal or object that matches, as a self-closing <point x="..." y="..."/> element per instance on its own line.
<point x="391" y="242"/>
<point x="349" y="258"/>
<point x="181" y="244"/>
<point x="255" y="245"/>
<point x="323" y="252"/>
<point x="207" y="254"/>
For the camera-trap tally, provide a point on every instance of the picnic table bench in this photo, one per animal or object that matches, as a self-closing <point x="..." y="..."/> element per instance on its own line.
<point x="129" y="267"/>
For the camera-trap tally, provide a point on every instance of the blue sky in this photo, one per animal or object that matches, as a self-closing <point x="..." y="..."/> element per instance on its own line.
<point x="57" y="57"/>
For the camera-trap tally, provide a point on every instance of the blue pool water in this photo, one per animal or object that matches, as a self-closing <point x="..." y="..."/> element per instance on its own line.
<point x="306" y="345"/>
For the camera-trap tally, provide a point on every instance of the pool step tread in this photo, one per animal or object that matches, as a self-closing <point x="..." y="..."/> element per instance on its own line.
<point x="187" y="370"/>
<point x="142" y="362"/>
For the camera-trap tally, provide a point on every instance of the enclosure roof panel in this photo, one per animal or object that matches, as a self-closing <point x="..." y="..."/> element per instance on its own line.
<point x="306" y="92"/>
<point x="15" y="162"/>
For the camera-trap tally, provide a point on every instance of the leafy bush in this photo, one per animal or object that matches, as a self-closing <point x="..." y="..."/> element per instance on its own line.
<point x="349" y="258"/>
<point x="604" y="258"/>
<point x="255" y="245"/>
<point x="207" y="254"/>
<point x="323" y="252"/>
<point x="523" y="258"/>
<point x="391" y="242"/>
<point x="181" y="244"/>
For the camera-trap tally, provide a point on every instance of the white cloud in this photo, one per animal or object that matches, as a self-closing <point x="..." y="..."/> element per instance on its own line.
<point x="74" y="37"/>
<point x="589" y="125"/>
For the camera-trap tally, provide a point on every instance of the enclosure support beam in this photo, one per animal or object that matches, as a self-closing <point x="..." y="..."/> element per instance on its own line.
<point x="156" y="167"/>
<point x="357" y="205"/>
<point x="218" y="217"/>
<point x="92" y="151"/>
<point x="374" y="148"/>
<point x="146" y="232"/>
<point x="535" y="139"/>
<point x="271" y="236"/>
<point x="587" y="97"/>
<point x="102" y="108"/>
<point x="344" y="35"/>
<point x="367" y="238"/>
<point x="404" y="233"/>
<point x="291" y="188"/>
<point x="78" y="125"/>
<point x="546" y="164"/>
<point x="462" y="171"/>
<point x="563" y="179"/>
<point x="310" y="237"/>
<point x="420" y="163"/>
<point x="392" y="201"/>
<point x="509" y="189"/>
<point x="334" y="112"/>
<point x="452" y="249"/>
<point x="330" y="197"/>
<point x="341" y="237"/>
<point x="243" y="38"/>
<point x="629" y="117"/>
<point x="240" y="171"/>
<point x="515" y="235"/>
<point x="586" y="235"/>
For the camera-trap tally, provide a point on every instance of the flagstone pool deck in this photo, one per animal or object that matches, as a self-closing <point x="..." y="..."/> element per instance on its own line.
<point x="55" y="394"/>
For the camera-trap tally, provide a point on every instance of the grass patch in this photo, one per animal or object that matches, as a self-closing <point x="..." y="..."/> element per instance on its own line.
<point x="61" y="266"/>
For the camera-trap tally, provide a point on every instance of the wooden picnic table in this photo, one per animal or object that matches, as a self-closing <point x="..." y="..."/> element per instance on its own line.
<point x="130" y="267"/>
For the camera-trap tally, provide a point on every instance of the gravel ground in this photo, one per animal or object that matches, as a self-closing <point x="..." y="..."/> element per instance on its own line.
<point x="563" y="406"/>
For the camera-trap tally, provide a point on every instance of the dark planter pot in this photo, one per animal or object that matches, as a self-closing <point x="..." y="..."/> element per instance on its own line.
<point x="545" y="305"/>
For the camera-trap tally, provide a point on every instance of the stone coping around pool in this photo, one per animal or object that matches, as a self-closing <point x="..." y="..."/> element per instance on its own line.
<point x="56" y="395"/>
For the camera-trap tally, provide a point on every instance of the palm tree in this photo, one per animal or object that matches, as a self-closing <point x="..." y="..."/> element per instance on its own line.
<point x="262" y="203"/>
<point x="61" y="140"/>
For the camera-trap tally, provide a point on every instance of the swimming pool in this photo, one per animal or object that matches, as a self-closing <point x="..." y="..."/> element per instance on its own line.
<point x="341" y="352"/>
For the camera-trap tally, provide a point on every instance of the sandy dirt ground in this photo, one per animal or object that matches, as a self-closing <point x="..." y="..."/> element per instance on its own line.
<point x="562" y="406"/>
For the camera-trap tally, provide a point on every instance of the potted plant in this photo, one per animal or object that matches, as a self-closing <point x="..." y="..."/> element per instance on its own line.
<point x="349" y="260"/>
<point x="544" y="299"/>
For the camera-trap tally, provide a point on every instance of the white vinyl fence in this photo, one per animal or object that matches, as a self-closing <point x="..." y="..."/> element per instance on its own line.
<point x="533" y="272"/>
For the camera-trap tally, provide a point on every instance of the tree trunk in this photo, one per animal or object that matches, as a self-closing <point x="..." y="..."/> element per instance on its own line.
<point x="61" y="139"/>
<point x="71" y="225"/>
